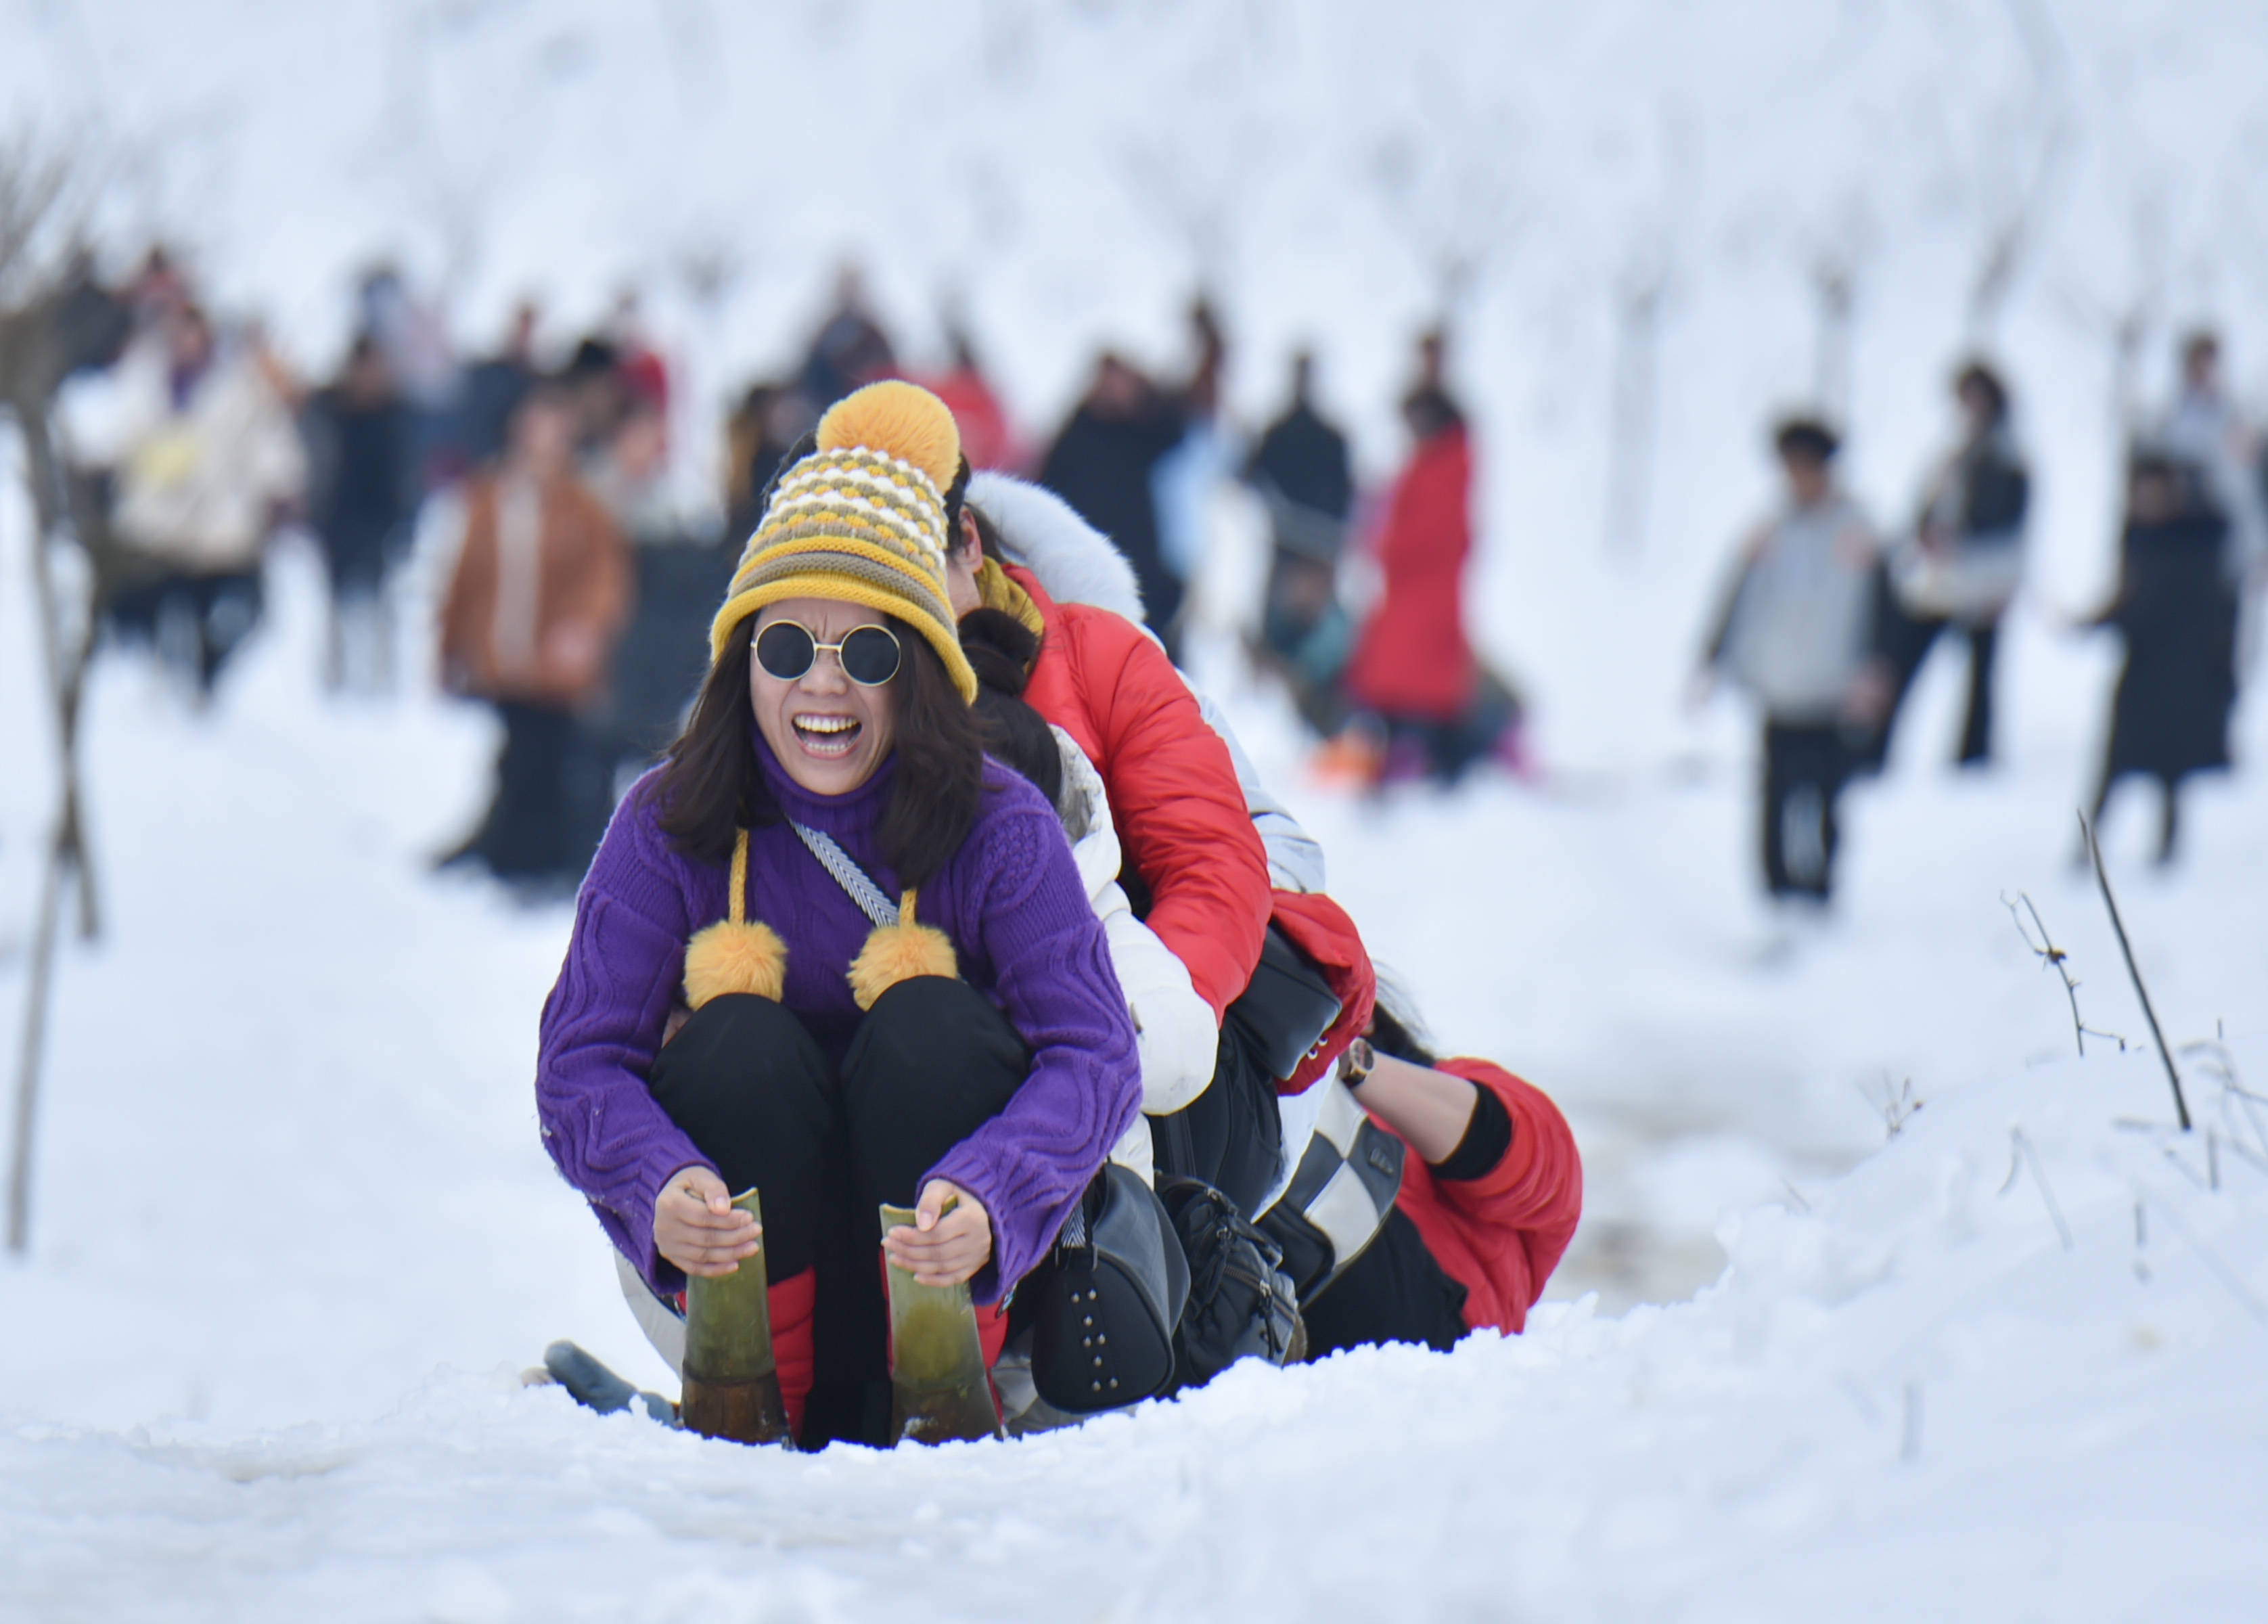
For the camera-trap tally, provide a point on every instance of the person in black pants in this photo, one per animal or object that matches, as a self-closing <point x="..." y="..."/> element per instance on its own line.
<point x="931" y="1062"/>
<point x="1962" y="565"/>
<point x="1805" y="766"/>
<point x="2176" y="612"/>
<point x="1799" y="629"/>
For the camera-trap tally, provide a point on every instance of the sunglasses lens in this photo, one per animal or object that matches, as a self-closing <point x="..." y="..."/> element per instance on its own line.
<point x="784" y="650"/>
<point x="870" y="656"/>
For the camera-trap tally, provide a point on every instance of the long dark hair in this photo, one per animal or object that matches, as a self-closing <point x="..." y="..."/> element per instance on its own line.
<point x="709" y="785"/>
<point x="1395" y="1027"/>
<point x="1001" y="650"/>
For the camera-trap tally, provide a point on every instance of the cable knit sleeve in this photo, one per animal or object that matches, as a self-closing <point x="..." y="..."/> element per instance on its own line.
<point x="1053" y="975"/>
<point x="601" y="1028"/>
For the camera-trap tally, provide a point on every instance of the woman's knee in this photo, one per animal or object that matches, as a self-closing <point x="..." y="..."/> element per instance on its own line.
<point x="932" y="1063"/>
<point x="719" y="1044"/>
<point x="743" y="1066"/>
<point x="930" y="1029"/>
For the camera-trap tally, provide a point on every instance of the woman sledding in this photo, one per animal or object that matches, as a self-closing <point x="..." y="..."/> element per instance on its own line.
<point x="971" y="1057"/>
<point x="1489" y="1200"/>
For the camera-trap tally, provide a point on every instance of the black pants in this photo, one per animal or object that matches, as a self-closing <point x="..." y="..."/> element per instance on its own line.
<point x="1395" y="1292"/>
<point x="1913" y="638"/>
<point x="551" y="796"/>
<point x="2169" y="807"/>
<point x="218" y="611"/>
<point x="932" y="1062"/>
<point x="1230" y="1135"/>
<point x="1805" y="766"/>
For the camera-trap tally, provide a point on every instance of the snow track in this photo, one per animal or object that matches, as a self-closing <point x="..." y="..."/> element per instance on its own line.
<point x="298" y="1237"/>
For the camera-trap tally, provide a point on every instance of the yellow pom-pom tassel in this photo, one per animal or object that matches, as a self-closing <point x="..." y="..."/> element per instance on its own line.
<point x="900" y="419"/>
<point x="895" y="953"/>
<point x="733" y="957"/>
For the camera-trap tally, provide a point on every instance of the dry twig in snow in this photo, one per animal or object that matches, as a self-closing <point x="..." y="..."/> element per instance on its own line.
<point x="2055" y="958"/>
<point x="2095" y="851"/>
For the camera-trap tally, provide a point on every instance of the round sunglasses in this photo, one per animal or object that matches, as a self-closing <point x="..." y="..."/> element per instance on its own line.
<point x="787" y="649"/>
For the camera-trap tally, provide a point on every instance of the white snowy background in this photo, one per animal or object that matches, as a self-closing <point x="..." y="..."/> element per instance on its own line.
<point x="295" y="1235"/>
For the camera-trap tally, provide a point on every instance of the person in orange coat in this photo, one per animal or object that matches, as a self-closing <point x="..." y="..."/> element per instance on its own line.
<point x="1491" y="1192"/>
<point x="1413" y="671"/>
<point x="540" y="594"/>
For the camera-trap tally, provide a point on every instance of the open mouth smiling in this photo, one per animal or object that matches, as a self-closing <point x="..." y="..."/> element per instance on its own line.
<point x="826" y="736"/>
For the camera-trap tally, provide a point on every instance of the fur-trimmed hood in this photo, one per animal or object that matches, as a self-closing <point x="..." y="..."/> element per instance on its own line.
<point x="1075" y="562"/>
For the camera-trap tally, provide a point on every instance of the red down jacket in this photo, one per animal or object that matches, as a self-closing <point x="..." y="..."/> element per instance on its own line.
<point x="1180" y="812"/>
<point x="1501" y="1235"/>
<point x="1320" y="928"/>
<point x="1412" y="658"/>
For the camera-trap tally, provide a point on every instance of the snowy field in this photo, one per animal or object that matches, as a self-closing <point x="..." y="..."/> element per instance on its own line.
<point x="1814" y="1354"/>
<point x="296" y="1239"/>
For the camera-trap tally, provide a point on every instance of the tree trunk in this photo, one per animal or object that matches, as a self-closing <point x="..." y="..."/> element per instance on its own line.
<point x="27" y="1069"/>
<point x="1629" y="450"/>
<point x="66" y="668"/>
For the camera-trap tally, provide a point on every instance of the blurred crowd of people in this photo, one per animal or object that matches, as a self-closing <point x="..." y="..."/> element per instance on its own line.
<point x="1393" y="687"/>
<point x="578" y="583"/>
<point x="1827" y="618"/>
<point x="572" y="575"/>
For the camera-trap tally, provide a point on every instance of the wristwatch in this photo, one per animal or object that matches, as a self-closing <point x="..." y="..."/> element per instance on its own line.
<point x="1355" y="1065"/>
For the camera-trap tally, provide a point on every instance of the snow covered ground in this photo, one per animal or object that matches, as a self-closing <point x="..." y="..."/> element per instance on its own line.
<point x="296" y="1237"/>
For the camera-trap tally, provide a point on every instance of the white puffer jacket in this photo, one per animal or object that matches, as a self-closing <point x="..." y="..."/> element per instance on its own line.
<point x="1174" y="1030"/>
<point x="197" y="482"/>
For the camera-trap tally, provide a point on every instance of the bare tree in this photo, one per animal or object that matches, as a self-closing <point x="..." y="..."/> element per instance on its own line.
<point x="1835" y="307"/>
<point x="1637" y="385"/>
<point x="2018" y="162"/>
<point x="42" y="244"/>
<point x="2122" y="323"/>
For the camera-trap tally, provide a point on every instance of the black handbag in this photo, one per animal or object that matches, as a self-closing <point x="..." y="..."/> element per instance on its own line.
<point x="1106" y="1302"/>
<point x="1242" y="1305"/>
<point x="1284" y="1009"/>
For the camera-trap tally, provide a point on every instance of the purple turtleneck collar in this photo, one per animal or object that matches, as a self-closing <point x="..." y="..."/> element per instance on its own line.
<point x="850" y="817"/>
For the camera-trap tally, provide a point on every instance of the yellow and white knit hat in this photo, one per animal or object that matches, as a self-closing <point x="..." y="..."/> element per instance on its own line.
<point x="862" y="519"/>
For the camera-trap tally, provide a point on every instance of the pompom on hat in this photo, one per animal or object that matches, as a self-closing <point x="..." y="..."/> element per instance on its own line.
<point x="862" y="519"/>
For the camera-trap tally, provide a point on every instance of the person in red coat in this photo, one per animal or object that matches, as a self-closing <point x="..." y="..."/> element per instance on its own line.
<point x="1195" y="867"/>
<point x="987" y="438"/>
<point x="1490" y="1195"/>
<point x="1413" y="671"/>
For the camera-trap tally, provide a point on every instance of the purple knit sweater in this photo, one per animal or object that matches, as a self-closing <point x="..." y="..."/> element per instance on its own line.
<point x="1011" y="902"/>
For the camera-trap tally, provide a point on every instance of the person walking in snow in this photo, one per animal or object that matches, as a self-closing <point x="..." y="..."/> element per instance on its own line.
<point x="849" y="350"/>
<point x="2204" y="430"/>
<point x="1964" y="560"/>
<point x="494" y="386"/>
<point x="541" y="591"/>
<point x="682" y="567"/>
<point x="1304" y="475"/>
<point x="207" y="457"/>
<point x="1798" y="632"/>
<point x="1413" y="675"/>
<point x="828" y="951"/>
<point x="359" y="504"/>
<point x="2177" y="610"/>
<point x="1103" y="463"/>
<point x="988" y="440"/>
